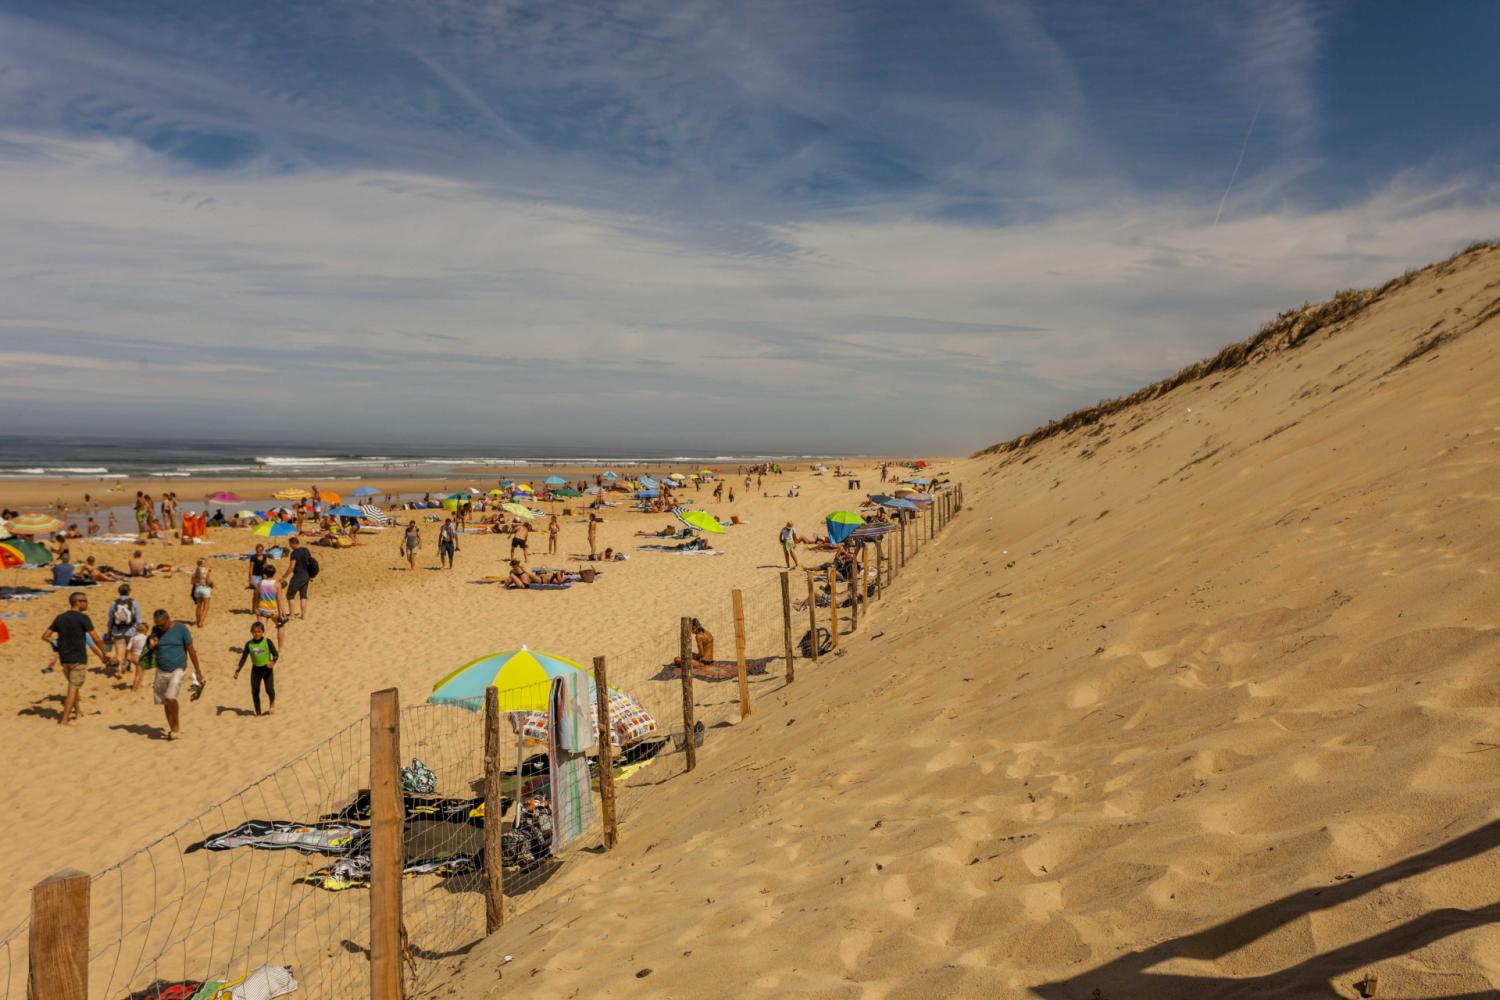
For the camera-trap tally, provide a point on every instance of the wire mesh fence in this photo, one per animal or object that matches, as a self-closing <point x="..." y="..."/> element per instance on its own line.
<point x="274" y="876"/>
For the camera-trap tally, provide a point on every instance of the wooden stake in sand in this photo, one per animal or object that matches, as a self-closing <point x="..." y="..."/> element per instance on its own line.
<point x="494" y="870"/>
<point x="833" y="606"/>
<point x="786" y="622"/>
<point x="901" y="550"/>
<point x="864" y="577"/>
<point x="685" y="643"/>
<point x="739" y="650"/>
<point x="812" y="615"/>
<point x="880" y="577"/>
<point x="58" y="942"/>
<point x="386" y="845"/>
<point x="606" y="755"/>
<point x="853" y="598"/>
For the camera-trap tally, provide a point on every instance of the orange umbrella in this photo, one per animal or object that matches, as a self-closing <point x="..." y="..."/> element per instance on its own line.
<point x="328" y="496"/>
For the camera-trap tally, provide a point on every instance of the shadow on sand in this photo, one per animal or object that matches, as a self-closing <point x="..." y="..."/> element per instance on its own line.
<point x="1130" y="975"/>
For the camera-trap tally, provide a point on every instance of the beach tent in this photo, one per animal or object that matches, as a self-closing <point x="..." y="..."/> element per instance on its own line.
<point x="841" y="524"/>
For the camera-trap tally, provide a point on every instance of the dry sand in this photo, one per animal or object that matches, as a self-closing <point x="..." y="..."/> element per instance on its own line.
<point x="1194" y="702"/>
<point x="86" y="796"/>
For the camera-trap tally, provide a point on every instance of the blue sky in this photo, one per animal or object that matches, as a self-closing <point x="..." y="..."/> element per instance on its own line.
<point x="847" y="226"/>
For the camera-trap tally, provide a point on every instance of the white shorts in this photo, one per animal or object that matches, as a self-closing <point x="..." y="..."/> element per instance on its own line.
<point x="164" y="688"/>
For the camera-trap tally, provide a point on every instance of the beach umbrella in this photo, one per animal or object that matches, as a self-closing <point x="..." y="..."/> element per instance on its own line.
<point x="841" y="524"/>
<point x="555" y="481"/>
<point x="33" y="524"/>
<point x="27" y="551"/>
<point x="374" y="513"/>
<point x="917" y="482"/>
<point x="346" y="512"/>
<point x="649" y="483"/>
<point x="518" y="510"/>
<point x="328" y="496"/>
<point x="496" y="493"/>
<point x="292" y="494"/>
<point x="647" y="494"/>
<point x="365" y="491"/>
<point x="610" y="474"/>
<point x="458" y="496"/>
<point x="892" y="502"/>
<point x="275" y="529"/>
<point x="224" y="496"/>
<point x="699" y="519"/>
<point x="567" y="492"/>
<point x="10" y="558"/>
<point x="677" y="475"/>
<point x="593" y="491"/>
<point x="871" y="531"/>
<point x="523" y="678"/>
<point x="245" y="513"/>
<point x="521" y="488"/>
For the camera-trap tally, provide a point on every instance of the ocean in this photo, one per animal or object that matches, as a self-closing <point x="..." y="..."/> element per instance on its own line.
<point x="108" y="458"/>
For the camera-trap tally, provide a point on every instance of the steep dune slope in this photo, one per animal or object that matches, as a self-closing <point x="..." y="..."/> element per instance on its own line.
<point x="1194" y="700"/>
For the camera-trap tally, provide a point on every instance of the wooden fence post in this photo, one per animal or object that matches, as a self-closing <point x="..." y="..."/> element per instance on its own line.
<point x="786" y="622"/>
<point x="606" y="756"/>
<point x="494" y="868"/>
<point x="58" y="941"/>
<point x="738" y="601"/>
<point x="685" y="644"/>
<point x="864" y="577"/>
<point x="901" y="562"/>
<point x="812" y="615"/>
<point x="853" y="597"/>
<point x="833" y="605"/>
<point x="387" y="845"/>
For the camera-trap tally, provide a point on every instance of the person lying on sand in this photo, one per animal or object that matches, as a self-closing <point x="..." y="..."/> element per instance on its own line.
<point x="520" y="577"/>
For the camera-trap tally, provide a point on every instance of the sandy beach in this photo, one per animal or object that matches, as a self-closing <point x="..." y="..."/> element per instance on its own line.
<point x="371" y="624"/>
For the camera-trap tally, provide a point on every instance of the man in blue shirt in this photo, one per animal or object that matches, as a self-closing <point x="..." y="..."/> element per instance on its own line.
<point x="174" y="647"/>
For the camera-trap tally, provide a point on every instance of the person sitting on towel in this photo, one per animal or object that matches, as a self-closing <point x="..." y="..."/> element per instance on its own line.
<point x="703" y="639"/>
<point x="520" y="577"/>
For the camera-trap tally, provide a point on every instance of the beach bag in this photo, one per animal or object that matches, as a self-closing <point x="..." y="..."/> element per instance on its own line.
<point x="825" y="642"/>
<point x="122" y="614"/>
<point x="586" y="575"/>
<point x="312" y="566"/>
<point x="418" y="778"/>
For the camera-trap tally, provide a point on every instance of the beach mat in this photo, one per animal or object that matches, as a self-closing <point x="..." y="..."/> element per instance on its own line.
<point x="718" y="670"/>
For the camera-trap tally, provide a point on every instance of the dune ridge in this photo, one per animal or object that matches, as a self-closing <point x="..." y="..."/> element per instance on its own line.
<point x="1196" y="699"/>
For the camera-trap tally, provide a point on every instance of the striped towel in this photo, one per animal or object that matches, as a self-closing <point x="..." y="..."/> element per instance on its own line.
<point x="570" y="736"/>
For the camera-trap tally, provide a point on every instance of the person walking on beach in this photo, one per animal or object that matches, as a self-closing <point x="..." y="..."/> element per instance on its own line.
<point x="174" y="647"/>
<point x="262" y="654"/>
<point x="518" y="540"/>
<point x="789" y="546"/>
<point x="593" y="534"/>
<point x="124" y="616"/>
<point x="203" y="591"/>
<point x="71" y="634"/>
<point x="268" y="602"/>
<point x="301" y="567"/>
<point x="447" y="542"/>
<point x="553" y="530"/>
<point x="258" y="563"/>
<point x="411" y="541"/>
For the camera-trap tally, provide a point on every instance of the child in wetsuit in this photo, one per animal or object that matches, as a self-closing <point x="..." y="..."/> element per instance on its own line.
<point x="261" y="652"/>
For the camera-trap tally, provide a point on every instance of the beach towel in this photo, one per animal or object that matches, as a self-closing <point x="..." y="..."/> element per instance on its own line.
<point x="718" y="670"/>
<point x="469" y="811"/>
<point x="178" y="989"/>
<point x="354" y="873"/>
<point x="545" y="586"/>
<point x="280" y="835"/>
<point x="571" y="736"/>
<point x="265" y="983"/>
<point x="681" y="552"/>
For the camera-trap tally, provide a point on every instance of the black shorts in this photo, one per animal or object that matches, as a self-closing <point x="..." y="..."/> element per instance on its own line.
<point x="298" y="588"/>
<point x="516" y="543"/>
<point x="445" y="548"/>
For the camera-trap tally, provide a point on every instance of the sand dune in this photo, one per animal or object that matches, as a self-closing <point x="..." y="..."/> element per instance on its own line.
<point x="1195" y="700"/>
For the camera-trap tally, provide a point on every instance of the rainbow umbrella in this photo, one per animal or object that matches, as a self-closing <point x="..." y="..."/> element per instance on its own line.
<point x="33" y="524"/>
<point x="275" y="529"/>
<point x="223" y="496"/>
<point x="522" y="677"/>
<point x="700" y="519"/>
<point x="841" y="524"/>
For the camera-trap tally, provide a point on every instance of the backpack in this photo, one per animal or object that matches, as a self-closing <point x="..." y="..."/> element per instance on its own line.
<point x="418" y="778"/>
<point x="312" y="566"/>
<point x="825" y="643"/>
<point x="122" y="614"/>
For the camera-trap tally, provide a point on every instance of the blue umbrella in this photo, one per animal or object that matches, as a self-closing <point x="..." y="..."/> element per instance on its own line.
<point x="893" y="502"/>
<point x="647" y="495"/>
<point x="365" y="491"/>
<point x="649" y="483"/>
<point x="555" y="481"/>
<point x="346" y="512"/>
<point x="841" y="524"/>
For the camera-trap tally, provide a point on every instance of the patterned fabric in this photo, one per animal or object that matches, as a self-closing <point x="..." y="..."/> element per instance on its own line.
<point x="628" y="722"/>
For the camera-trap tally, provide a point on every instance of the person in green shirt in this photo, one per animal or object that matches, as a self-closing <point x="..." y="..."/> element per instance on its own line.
<point x="261" y="652"/>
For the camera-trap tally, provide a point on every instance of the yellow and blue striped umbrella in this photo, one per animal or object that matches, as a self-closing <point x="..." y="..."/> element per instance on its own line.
<point x="523" y="677"/>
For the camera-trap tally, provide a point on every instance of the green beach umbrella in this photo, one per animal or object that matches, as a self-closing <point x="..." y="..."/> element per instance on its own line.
<point x="567" y="491"/>
<point x="841" y="524"/>
<point x="700" y="519"/>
